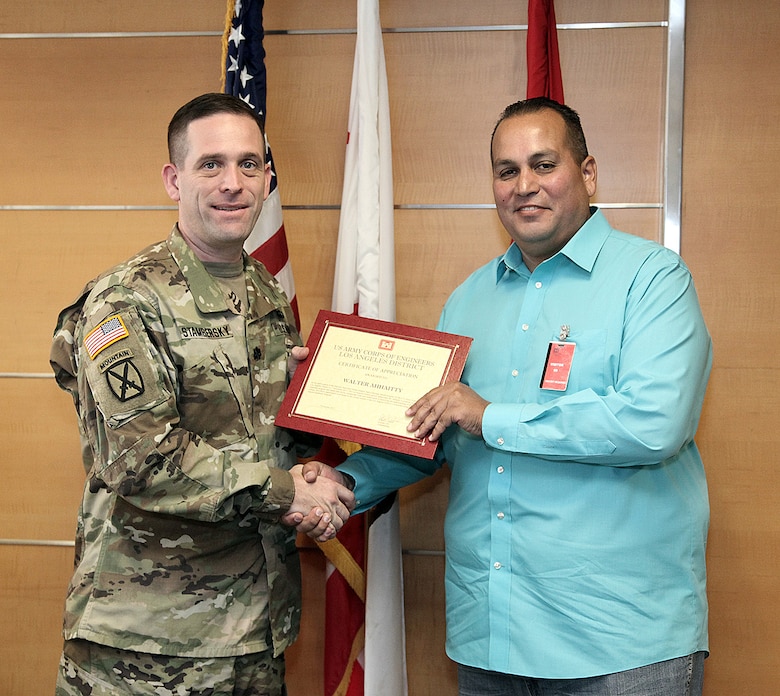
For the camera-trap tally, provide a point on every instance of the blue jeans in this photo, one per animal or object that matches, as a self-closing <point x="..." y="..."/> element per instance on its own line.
<point x="682" y="676"/>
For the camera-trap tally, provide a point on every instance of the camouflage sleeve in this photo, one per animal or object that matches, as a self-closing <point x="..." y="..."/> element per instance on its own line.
<point x="63" y="354"/>
<point x="128" y="391"/>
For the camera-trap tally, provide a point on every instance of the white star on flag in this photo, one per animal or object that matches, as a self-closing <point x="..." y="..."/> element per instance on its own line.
<point x="245" y="77"/>
<point x="236" y="35"/>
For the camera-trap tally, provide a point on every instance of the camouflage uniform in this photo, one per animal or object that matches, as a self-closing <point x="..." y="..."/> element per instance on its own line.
<point x="90" y="669"/>
<point x="178" y="546"/>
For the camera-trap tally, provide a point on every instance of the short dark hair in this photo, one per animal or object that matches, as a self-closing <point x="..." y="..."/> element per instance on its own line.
<point x="201" y="107"/>
<point x="571" y="119"/>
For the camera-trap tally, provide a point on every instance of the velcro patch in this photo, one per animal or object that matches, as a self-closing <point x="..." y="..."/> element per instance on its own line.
<point x="107" y="332"/>
<point x="123" y="354"/>
<point x="124" y="380"/>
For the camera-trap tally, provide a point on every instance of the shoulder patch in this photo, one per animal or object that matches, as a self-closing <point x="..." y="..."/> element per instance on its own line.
<point x="125" y="374"/>
<point x="124" y="380"/>
<point x="106" y="333"/>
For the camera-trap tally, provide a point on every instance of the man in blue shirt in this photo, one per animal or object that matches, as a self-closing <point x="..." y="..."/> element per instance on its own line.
<point x="578" y="513"/>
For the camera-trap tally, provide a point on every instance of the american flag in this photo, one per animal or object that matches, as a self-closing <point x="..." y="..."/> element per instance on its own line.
<point x="245" y="77"/>
<point x="104" y="334"/>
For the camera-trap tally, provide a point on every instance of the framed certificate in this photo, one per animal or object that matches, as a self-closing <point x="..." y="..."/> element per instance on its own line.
<point x="361" y="376"/>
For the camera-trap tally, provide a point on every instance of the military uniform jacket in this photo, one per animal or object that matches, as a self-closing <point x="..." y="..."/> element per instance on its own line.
<point x="179" y="550"/>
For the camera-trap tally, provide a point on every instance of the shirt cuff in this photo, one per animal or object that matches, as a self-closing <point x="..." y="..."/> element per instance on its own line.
<point x="280" y="492"/>
<point x="349" y="479"/>
<point x="496" y="426"/>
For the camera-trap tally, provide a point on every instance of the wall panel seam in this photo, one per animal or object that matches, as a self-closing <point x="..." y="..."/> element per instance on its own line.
<point x="26" y="375"/>
<point x="580" y="26"/>
<point x="36" y="542"/>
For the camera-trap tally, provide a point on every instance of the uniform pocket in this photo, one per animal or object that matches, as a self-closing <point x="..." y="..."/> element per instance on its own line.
<point x="209" y="398"/>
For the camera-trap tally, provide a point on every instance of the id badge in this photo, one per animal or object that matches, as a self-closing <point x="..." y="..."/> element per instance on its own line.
<point x="557" y="366"/>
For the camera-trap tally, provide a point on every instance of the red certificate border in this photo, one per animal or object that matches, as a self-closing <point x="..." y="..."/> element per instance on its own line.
<point x="288" y="417"/>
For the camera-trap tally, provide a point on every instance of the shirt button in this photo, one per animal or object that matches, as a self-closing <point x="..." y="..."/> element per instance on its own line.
<point x="500" y="470"/>
<point x="538" y="284"/>
<point x="497" y="565"/>
<point x="525" y="327"/>
<point x="500" y="441"/>
<point x="500" y="515"/>
<point x="515" y="373"/>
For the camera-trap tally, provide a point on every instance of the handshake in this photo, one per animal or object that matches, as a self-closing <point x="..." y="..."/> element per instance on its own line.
<point x="322" y="502"/>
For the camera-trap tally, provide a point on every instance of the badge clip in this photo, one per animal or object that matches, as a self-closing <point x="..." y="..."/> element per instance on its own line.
<point x="557" y="364"/>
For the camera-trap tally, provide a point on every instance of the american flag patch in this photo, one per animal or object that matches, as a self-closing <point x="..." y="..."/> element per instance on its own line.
<point x="104" y="334"/>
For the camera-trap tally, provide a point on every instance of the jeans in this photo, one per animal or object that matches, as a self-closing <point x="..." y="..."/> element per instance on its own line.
<point x="682" y="676"/>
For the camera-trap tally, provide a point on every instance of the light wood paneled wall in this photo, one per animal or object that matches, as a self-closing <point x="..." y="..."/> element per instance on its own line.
<point x="83" y="123"/>
<point x="731" y="239"/>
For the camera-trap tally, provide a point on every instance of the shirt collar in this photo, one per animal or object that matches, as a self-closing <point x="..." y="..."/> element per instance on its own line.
<point x="582" y="249"/>
<point x="512" y="260"/>
<point x="206" y="292"/>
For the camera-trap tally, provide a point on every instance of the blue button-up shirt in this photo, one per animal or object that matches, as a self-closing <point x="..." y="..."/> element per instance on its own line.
<point x="576" y="525"/>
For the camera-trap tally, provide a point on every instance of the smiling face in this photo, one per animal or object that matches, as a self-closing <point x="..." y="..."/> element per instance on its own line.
<point x="220" y="183"/>
<point x="542" y="193"/>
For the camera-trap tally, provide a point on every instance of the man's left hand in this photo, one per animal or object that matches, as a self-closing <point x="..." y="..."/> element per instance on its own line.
<point x="453" y="402"/>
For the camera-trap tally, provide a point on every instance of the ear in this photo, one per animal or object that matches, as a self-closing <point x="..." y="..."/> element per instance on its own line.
<point x="589" y="174"/>
<point x="267" y="172"/>
<point x="170" y="177"/>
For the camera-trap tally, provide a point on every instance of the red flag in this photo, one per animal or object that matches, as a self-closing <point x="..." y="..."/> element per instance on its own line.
<point x="544" y="64"/>
<point x="245" y="77"/>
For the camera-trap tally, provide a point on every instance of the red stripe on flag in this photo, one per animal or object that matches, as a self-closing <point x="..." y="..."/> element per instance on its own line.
<point x="273" y="253"/>
<point x="544" y="63"/>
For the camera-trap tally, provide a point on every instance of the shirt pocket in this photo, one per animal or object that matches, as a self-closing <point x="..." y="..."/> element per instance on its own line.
<point x="590" y="365"/>
<point x="210" y="402"/>
<point x="270" y="341"/>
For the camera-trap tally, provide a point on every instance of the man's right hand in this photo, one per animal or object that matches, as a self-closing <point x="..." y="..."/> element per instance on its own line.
<point x="322" y="503"/>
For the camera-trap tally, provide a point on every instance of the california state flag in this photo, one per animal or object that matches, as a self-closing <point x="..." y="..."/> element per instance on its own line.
<point x="368" y="656"/>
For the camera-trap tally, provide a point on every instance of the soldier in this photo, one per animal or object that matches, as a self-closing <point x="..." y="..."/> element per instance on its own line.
<point x="185" y="580"/>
